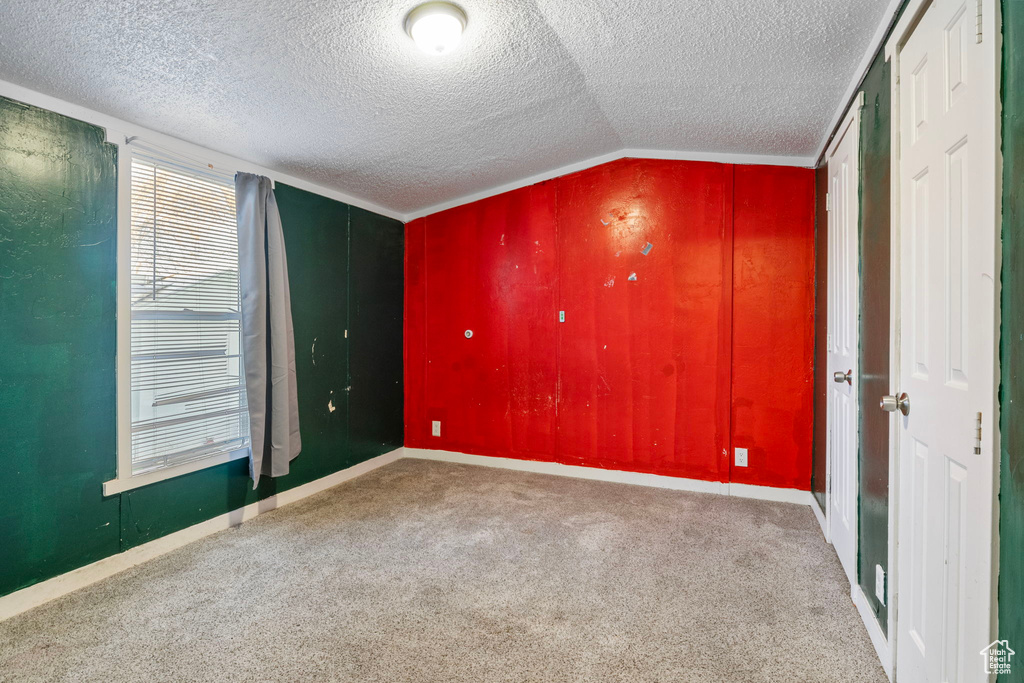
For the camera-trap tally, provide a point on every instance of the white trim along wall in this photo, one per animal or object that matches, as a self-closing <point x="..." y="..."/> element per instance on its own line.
<point x="722" y="158"/>
<point x="41" y="593"/>
<point x="119" y="130"/>
<point x="619" y="476"/>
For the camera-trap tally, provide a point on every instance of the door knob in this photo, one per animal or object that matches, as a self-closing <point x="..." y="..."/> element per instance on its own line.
<point x="840" y="377"/>
<point x="891" y="404"/>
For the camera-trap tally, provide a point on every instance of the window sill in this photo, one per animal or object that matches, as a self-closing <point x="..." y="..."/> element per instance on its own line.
<point x="120" y="485"/>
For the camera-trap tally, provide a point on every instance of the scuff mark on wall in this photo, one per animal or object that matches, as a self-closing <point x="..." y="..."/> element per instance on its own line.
<point x="313" y="350"/>
<point x="610" y="282"/>
<point x="95" y="244"/>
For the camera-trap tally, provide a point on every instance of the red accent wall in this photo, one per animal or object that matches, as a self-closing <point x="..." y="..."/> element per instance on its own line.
<point x="665" y="361"/>
<point x="773" y="325"/>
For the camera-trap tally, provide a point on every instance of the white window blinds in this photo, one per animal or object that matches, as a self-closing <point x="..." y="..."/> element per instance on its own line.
<point x="187" y="383"/>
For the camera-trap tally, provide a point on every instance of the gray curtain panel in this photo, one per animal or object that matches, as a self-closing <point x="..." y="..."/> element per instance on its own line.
<point x="268" y="339"/>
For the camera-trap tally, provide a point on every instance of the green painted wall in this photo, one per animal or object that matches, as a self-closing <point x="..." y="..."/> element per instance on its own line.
<point x="1011" y="399"/>
<point x="378" y="421"/>
<point x="873" y="479"/>
<point x="58" y="185"/>
<point x="57" y="329"/>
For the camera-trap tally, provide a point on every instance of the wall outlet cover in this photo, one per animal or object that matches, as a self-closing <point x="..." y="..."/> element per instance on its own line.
<point x="435" y="428"/>
<point x="880" y="583"/>
<point x="741" y="457"/>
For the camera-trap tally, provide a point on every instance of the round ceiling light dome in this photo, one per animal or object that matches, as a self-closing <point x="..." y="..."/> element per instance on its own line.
<point x="436" y="27"/>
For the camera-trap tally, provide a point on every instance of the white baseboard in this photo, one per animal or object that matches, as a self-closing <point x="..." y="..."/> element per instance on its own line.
<point x="795" y="496"/>
<point x="878" y="639"/>
<point x="33" y="596"/>
<point x="619" y="476"/>
<point x="822" y="520"/>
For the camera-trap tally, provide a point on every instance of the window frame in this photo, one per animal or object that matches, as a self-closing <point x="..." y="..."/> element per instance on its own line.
<point x="124" y="479"/>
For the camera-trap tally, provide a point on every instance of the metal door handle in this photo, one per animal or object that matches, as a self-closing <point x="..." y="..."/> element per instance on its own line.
<point x="891" y="404"/>
<point x="840" y="377"/>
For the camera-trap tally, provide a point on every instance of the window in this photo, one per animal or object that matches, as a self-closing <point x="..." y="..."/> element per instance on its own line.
<point x="187" y="389"/>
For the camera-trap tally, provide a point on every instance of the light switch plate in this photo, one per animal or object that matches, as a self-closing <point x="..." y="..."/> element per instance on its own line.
<point x="880" y="583"/>
<point x="435" y="428"/>
<point x="741" y="457"/>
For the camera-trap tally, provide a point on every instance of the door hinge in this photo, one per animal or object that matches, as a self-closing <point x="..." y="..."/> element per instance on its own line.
<point x="977" y="436"/>
<point x="979" y="21"/>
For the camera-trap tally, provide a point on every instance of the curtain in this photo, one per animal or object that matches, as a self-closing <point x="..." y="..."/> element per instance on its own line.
<point x="268" y="340"/>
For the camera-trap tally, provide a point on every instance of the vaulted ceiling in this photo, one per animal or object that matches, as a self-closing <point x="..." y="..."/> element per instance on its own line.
<point x="334" y="92"/>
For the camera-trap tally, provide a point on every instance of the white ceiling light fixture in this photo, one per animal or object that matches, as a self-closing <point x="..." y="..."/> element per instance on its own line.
<point x="436" y="27"/>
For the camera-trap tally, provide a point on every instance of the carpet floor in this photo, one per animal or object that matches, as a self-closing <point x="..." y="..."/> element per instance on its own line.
<point x="426" y="571"/>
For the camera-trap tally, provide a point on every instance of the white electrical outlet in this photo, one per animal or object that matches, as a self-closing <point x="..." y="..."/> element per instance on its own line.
<point x="741" y="457"/>
<point x="435" y="428"/>
<point x="880" y="583"/>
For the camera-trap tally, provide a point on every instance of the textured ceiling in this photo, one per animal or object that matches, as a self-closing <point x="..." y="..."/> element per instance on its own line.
<point x="334" y="92"/>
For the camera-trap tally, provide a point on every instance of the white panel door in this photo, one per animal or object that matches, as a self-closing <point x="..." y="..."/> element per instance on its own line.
<point x="946" y="347"/>
<point x="842" y="345"/>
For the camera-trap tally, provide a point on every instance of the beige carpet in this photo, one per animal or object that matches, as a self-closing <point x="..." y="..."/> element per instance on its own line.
<point x="425" y="571"/>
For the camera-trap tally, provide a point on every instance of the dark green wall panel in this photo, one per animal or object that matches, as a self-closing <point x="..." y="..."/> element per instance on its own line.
<point x="316" y="242"/>
<point x="377" y="292"/>
<point x="875" y="159"/>
<point x="1011" y="495"/>
<point x="58" y="198"/>
<point x="58" y="222"/>
<point x="819" y="453"/>
<point x="316" y="239"/>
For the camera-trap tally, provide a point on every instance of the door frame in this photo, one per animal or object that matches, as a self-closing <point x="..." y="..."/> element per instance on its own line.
<point x="850" y="126"/>
<point x="991" y="28"/>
